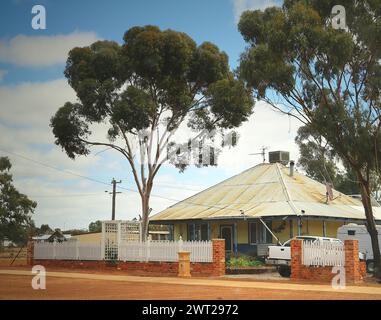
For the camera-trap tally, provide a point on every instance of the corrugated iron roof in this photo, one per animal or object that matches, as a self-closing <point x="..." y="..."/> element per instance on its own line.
<point x="264" y="190"/>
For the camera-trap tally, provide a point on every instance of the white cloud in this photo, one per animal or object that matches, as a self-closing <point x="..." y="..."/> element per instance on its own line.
<point x="241" y="5"/>
<point x="25" y="110"/>
<point x="32" y="104"/>
<point x="42" y="51"/>
<point x="2" y="74"/>
<point x="266" y="127"/>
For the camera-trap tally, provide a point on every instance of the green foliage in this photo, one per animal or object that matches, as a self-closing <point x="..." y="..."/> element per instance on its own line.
<point x="243" y="261"/>
<point x="75" y="232"/>
<point x="232" y="93"/>
<point x="70" y="130"/>
<point x="144" y="90"/>
<point x="328" y="78"/>
<point x="44" y="229"/>
<point x="15" y="207"/>
<point x="95" y="226"/>
<point x="320" y="163"/>
<point x="152" y="73"/>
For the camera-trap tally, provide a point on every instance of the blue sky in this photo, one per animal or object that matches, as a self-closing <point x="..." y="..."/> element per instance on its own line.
<point x="32" y="88"/>
<point x="211" y="20"/>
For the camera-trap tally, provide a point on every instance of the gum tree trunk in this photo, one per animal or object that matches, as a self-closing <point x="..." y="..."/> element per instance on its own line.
<point x="371" y="226"/>
<point x="145" y="215"/>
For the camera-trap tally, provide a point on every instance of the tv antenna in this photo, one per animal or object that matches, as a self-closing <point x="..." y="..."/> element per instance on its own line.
<point x="263" y="153"/>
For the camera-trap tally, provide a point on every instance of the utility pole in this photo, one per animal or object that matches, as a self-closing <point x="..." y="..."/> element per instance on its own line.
<point x="114" y="192"/>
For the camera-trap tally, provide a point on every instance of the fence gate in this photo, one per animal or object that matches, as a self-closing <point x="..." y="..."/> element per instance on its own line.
<point x="115" y="232"/>
<point x="323" y="254"/>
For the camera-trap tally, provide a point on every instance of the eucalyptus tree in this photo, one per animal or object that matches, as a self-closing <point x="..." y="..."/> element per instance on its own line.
<point x="325" y="72"/>
<point x="16" y="209"/>
<point x="321" y="163"/>
<point x="144" y="90"/>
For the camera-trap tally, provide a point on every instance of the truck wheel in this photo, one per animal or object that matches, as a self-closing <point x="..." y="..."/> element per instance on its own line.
<point x="284" y="271"/>
<point x="370" y="266"/>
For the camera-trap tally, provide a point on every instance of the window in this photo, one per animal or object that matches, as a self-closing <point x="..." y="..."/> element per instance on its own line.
<point x="198" y="231"/>
<point x="171" y="228"/>
<point x="204" y="231"/>
<point x="253" y="232"/>
<point x="291" y="229"/>
<point x="258" y="232"/>
<point x="267" y="236"/>
<point x="191" y="231"/>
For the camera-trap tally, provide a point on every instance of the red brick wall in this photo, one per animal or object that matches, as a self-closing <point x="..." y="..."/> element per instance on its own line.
<point x="363" y="269"/>
<point x="215" y="268"/>
<point x="218" y="257"/>
<point x="355" y="270"/>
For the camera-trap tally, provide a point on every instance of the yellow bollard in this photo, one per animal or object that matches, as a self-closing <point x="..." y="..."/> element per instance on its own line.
<point x="184" y="264"/>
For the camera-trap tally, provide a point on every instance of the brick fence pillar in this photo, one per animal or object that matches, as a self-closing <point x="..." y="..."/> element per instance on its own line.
<point x="296" y="259"/>
<point x="218" y="257"/>
<point x="352" y="261"/>
<point x="30" y="253"/>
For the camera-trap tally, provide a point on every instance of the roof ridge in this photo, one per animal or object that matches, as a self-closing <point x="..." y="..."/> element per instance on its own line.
<point x="215" y="185"/>
<point x="285" y="189"/>
<point x="313" y="181"/>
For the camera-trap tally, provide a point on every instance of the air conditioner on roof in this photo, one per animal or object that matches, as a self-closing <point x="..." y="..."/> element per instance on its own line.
<point x="282" y="157"/>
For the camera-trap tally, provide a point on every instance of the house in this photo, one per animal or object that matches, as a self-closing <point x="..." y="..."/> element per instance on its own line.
<point x="7" y="243"/>
<point x="89" y="237"/>
<point x="56" y="236"/>
<point x="96" y="237"/>
<point x="267" y="203"/>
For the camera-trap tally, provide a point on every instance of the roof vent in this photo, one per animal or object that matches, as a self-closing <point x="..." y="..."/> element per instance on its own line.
<point x="292" y="166"/>
<point x="282" y="157"/>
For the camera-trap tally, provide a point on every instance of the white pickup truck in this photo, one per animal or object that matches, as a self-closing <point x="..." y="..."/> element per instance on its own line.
<point x="280" y="256"/>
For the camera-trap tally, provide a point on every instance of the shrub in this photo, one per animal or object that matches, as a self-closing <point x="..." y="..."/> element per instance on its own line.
<point x="244" y="261"/>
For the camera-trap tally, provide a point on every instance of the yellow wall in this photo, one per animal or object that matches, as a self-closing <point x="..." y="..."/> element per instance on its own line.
<point x="331" y="228"/>
<point x="242" y="230"/>
<point x="180" y="229"/>
<point x="88" y="237"/>
<point x="315" y="227"/>
<point x="309" y="227"/>
<point x="283" y="234"/>
<point x="215" y="230"/>
<point x="312" y="227"/>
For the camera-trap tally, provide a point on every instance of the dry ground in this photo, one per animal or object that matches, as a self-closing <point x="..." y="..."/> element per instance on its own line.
<point x="100" y="286"/>
<point x="7" y="256"/>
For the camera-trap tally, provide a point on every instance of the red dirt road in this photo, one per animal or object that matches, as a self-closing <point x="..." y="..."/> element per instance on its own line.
<point x="19" y="287"/>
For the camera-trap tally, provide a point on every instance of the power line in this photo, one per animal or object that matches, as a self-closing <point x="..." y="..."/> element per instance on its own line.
<point x="105" y="183"/>
<point x="88" y="178"/>
<point x="55" y="168"/>
<point x="65" y="195"/>
<point x="177" y="187"/>
<point x="77" y="175"/>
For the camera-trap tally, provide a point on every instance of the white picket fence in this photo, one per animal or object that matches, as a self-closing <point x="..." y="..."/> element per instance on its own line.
<point x="323" y="254"/>
<point x="68" y="250"/>
<point x="201" y="251"/>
